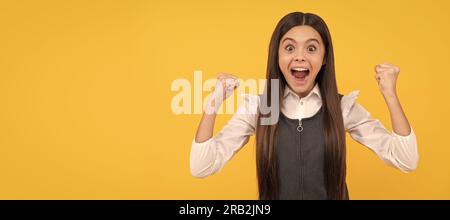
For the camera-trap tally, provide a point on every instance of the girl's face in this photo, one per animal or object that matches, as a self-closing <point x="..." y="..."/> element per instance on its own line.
<point x="300" y="57"/>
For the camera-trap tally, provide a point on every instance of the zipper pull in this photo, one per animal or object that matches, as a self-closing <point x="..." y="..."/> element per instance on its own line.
<point x="300" y="127"/>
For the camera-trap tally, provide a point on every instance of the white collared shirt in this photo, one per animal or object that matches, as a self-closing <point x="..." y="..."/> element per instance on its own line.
<point x="295" y="107"/>
<point x="398" y="151"/>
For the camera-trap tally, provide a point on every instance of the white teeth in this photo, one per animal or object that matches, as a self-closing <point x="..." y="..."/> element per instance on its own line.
<point x="299" y="69"/>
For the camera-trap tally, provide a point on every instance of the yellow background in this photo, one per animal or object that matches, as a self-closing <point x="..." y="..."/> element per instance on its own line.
<point x="85" y="92"/>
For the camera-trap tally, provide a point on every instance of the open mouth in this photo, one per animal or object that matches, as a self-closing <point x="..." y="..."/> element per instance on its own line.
<point x="300" y="73"/>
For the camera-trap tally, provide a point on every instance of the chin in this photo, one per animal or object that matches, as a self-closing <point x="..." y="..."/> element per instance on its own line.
<point x="303" y="90"/>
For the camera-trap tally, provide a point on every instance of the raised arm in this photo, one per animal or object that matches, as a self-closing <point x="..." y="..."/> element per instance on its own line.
<point x="224" y="88"/>
<point x="386" y="76"/>
<point x="209" y="153"/>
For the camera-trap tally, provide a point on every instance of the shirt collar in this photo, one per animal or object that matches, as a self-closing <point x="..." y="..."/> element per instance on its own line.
<point x="315" y="91"/>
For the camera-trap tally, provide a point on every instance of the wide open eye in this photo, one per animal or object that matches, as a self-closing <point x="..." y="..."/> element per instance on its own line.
<point x="289" y="48"/>
<point x="311" y="48"/>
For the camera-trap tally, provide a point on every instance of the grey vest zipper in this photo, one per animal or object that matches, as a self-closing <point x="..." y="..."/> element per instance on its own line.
<point x="300" y="129"/>
<point x="300" y="126"/>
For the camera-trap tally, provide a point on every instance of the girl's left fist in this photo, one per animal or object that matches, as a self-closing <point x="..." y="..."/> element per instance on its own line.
<point x="386" y="75"/>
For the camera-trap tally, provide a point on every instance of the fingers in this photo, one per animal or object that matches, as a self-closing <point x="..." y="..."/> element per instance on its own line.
<point x="386" y="66"/>
<point x="226" y="76"/>
<point x="381" y="67"/>
<point x="228" y="81"/>
<point x="224" y="87"/>
<point x="385" y="74"/>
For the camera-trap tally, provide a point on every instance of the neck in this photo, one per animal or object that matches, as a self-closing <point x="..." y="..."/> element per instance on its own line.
<point x="305" y="93"/>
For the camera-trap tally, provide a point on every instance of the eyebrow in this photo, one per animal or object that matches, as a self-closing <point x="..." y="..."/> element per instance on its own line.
<point x="310" y="39"/>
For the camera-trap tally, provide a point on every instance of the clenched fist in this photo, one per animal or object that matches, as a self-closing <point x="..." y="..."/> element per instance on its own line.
<point x="386" y="75"/>
<point x="226" y="84"/>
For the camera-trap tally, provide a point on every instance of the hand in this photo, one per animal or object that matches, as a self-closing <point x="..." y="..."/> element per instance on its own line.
<point x="226" y="84"/>
<point x="386" y="76"/>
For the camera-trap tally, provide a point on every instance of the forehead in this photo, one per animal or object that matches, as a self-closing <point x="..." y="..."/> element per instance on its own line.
<point x="302" y="33"/>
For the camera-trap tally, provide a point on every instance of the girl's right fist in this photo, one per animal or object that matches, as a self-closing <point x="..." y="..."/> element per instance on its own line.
<point x="225" y="85"/>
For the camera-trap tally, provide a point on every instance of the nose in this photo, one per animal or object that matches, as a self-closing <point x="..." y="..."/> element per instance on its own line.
<point x="299" y="57"/>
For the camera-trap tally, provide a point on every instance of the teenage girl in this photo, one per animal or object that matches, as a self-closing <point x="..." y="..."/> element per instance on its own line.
<point x="303" y="155"/>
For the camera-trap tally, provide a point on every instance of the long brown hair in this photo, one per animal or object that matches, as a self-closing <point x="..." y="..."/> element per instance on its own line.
<point x="335" y="153"/>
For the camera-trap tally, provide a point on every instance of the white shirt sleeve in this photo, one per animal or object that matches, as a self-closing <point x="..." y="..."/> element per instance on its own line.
<point x="209" y="157"/>
<point x="395" y="150"/>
